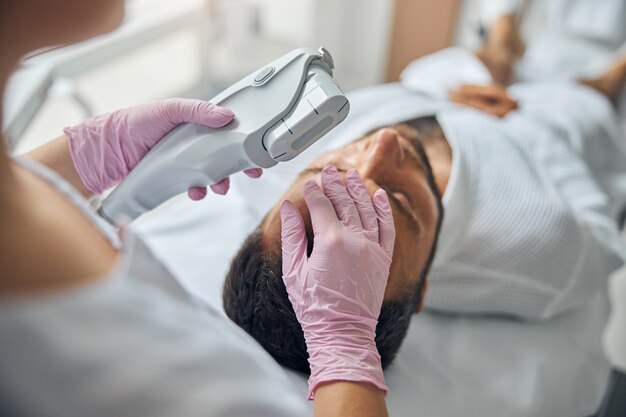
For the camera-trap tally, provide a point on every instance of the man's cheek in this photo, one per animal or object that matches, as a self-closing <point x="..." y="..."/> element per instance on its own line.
<point x="423" y="297"/>
<point x="400" y="254"/>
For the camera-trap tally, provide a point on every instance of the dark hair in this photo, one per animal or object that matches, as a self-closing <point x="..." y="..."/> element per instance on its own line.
<point x="255" y="298"/>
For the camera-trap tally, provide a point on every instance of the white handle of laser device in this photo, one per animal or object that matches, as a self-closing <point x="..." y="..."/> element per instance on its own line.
<point x="279" y="112"/>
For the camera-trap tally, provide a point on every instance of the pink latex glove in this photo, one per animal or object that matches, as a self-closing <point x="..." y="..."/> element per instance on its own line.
<point x="106" y="148"/>
<point x="338" y="291"/>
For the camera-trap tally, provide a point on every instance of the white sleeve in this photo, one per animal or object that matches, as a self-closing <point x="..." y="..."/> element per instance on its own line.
<point x="129" y="350"/>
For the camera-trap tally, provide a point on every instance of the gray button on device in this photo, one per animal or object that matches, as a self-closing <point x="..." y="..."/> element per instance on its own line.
<point x="263" y="75"/>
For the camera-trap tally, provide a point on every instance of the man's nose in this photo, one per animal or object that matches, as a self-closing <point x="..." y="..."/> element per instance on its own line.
<point x="385" y="152"/>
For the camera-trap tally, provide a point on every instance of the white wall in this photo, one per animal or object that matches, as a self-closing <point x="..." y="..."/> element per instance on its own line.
<point x="241" y="36"/>
<point x="356" y="32"/>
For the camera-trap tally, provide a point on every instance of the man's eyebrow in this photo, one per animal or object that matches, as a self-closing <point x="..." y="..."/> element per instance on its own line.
<point x="408" y="214"/>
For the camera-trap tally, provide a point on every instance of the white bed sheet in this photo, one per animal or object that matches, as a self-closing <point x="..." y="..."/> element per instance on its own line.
<point x="448" y="365"/>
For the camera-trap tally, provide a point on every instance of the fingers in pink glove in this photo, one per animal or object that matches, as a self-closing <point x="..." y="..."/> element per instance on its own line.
<point x="338" y="195"/>
<point x="322" y="212"/>
<point x="197" y="193"/>
<point x="177" y="111"/>
<point x="293" y="240"/>
<point x="105" y="148"/>
<point x="364" y="206"/>
<point x="221" y="187"/>
<point x="386" y="228"/>
<point x="337" y="292"/>
<point x="253" y="172"/>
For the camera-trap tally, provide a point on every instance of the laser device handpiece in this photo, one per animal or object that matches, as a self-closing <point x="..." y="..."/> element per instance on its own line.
<point x="280" y="110"/>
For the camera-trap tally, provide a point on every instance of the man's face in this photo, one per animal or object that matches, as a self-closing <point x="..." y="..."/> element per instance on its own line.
<point x="390" y="160"/>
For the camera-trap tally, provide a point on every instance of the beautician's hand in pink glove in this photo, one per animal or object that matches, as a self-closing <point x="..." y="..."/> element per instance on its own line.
<point x="106" y="148"/>
<point x="338" y="291"/>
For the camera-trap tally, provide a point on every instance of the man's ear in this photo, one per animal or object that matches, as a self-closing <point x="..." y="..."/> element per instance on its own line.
<point x="422" y="295"/>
